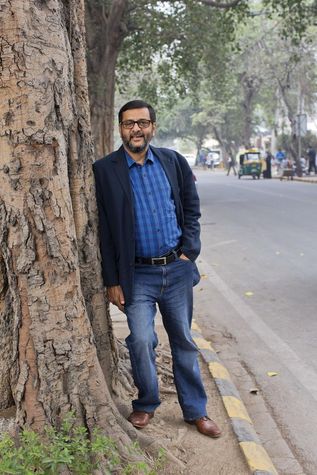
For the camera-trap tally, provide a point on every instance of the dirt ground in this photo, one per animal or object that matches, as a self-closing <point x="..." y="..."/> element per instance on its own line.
<point x="199" y="454"/>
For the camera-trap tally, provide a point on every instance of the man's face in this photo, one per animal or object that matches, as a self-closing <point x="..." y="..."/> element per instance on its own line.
<point x="136" y="140"/>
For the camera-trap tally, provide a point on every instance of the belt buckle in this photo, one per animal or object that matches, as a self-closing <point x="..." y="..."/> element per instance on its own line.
<point x="155" y="261"/>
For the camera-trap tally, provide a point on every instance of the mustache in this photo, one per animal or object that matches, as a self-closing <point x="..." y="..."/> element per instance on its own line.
<point x="137" y="134"/>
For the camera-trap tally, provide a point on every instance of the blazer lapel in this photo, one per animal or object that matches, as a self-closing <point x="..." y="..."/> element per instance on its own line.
<point x="121" y="170"/>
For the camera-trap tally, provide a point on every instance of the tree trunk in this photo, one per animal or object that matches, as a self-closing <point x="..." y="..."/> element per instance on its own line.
<point x="7" y="368"/>
<point x="106" y="31"/>
<point x="102" y="110"/>
<point x="226" y="147"/>
<point x="250" y="86"/>
<point x="51" y="293"/>
<point x="291" y="117"/>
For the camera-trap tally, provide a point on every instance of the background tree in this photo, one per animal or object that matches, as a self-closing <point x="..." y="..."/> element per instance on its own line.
<point x="124" y="37"/>
<point x="137" y="32"/>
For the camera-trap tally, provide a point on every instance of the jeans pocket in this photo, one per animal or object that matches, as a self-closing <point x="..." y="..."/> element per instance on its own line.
<point x="196" y="274"/>
<point x="194" y="269"/>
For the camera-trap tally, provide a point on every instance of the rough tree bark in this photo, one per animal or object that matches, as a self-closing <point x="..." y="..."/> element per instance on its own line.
<point x="57" y="348"/>
<point x="6" y="331"/>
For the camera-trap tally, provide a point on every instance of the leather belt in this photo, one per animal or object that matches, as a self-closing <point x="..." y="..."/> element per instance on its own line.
<point x="159" y="261"/>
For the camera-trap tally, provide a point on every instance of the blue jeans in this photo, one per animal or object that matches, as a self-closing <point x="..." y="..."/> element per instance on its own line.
<point x="171" y="287"/>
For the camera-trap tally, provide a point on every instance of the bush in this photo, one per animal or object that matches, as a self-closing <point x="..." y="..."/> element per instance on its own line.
<point x="70" y="447"/>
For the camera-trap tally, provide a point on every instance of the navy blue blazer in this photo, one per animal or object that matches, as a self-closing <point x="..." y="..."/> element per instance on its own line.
<point x="116" y="214"/>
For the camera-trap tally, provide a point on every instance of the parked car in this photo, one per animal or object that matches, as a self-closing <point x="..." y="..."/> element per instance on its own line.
<point x="191" y="159"/>
<point x="214" y="155"/>
<point x="217" y="157"/>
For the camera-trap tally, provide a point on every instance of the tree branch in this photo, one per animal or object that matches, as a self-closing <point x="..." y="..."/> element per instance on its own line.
<point x="217" y="4"/>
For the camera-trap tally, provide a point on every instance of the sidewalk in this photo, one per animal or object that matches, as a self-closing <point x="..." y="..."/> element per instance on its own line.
<point x="304" y="179"/>
<point x="199" y="454"/>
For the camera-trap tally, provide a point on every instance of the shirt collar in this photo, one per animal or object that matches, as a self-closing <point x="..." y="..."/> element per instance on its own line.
<point x="148" y="158"/>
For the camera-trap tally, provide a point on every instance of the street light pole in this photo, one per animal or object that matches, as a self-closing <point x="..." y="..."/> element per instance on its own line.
<point x="300" y="112"/>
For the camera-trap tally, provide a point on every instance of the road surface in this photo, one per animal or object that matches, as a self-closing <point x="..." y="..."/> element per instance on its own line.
<point x="259" y="265"/>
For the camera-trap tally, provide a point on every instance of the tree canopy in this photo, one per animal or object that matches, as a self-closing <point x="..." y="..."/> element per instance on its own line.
<point x="224" y="71"/>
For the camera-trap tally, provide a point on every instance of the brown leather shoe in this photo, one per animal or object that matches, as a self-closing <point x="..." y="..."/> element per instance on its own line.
<point x="206" y="426"/>
<point x="140" y="419"/>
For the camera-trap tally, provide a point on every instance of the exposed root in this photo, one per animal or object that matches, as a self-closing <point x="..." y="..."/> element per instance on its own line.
<point x="166" y="389"/>
<point x="123" y="387"/>
<point x="152" y="447"/>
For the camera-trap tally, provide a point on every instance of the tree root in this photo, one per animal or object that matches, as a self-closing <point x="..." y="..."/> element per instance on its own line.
<point x="124" y="390"/>
<point x="152" y="448"/>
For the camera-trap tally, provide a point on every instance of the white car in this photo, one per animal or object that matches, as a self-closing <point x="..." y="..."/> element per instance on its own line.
<point x="191" y="159"/>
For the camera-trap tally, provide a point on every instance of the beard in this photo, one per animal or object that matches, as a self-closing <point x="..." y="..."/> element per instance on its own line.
<point x="136" y="148"/>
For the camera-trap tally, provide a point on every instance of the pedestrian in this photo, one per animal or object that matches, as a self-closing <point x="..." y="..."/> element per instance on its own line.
<point x="268" y="159"/>
<point x="210" y="161"/>
<point x="311" y="152"/>
<point x="280" y="157"/>
<point x="231" y="164"/>
<point x="149" y="236"/>
<point x="203" y="159"/>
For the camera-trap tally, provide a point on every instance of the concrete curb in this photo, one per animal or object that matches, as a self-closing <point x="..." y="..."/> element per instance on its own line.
<point x="256" y="456"/>
<point x="296" y="178"/>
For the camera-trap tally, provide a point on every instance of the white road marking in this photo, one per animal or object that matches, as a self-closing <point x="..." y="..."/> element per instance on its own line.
<point x="300" y="370"/>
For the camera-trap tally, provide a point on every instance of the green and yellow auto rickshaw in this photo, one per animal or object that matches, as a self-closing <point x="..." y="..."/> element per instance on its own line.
<point x="251" y="163"/>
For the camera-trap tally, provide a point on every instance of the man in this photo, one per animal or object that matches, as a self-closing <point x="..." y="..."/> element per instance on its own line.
<point x="231" y="164"/>
<point x="268" y="159"/>
<point x="280" y="157"/>
<point x="149" y="236"/>
<point x="311" y="152"/>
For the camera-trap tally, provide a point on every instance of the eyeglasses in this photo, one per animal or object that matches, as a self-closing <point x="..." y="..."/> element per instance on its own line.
<point x="142" y="123"/>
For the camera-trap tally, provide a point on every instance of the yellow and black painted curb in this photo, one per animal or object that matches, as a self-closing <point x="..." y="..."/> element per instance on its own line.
<point x="256" y="456"/>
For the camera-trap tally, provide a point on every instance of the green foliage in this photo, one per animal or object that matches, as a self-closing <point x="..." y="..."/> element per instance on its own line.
<point x="295" y="16"/>
<point x="72" y="448"/>
<point x="285" y="141"/>
<point x="169" y="40"/>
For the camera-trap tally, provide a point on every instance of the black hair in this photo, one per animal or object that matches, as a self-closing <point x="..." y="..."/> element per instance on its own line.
<point x="137" y="104"/>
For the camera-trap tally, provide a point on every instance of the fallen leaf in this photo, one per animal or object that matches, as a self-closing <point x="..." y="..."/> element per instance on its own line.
<point x="248" y="294"/>
<point x="272" y="373"/>
<point x="203" y="276"/>
<point x="254" y="391"/>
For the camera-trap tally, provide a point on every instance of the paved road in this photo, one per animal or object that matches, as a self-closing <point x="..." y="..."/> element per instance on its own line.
<point x="260" y="260"/>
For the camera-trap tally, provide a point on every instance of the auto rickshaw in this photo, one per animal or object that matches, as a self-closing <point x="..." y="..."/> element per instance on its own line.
<point x="251" y="163"/>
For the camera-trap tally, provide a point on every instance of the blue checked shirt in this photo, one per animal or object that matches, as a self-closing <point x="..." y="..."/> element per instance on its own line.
<point x="156" y="227"/>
